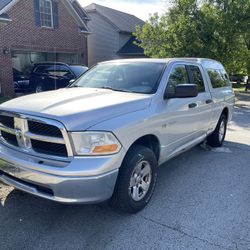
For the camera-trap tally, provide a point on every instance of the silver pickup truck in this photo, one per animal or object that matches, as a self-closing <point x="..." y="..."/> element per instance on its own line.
<point x="103" y="137"/>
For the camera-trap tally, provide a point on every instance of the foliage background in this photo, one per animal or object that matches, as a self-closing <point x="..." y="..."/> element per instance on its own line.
<point x="217" y="29"/>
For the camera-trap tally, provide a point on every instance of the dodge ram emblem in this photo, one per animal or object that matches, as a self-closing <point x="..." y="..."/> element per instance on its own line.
<point x="19" y="134"/>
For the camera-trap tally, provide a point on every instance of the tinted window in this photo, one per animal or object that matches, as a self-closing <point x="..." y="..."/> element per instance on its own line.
<point x="196" y="78"/>
<point x="63" y="71"/>
<point x="179" y="75"/>
<point x="78" y="70"/>
<point x="54" y="70"/>
<point x="218" y="78"/>
<point x="138" y="77"/>
<point x="42" y="69"/>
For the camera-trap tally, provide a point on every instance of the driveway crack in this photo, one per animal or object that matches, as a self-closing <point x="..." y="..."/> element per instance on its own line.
<point x="185" y="234"/>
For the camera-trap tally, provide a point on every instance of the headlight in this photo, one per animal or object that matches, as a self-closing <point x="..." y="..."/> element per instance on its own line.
<point x="95" y="143"/>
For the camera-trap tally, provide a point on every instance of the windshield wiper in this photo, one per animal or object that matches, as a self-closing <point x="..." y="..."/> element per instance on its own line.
<point x="104" y="87"/>
<point x="115" y="89"/>
<point x="74" y="86"/>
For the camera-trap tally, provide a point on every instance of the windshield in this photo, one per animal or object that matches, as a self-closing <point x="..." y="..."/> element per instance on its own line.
<point x="137" y="77"/>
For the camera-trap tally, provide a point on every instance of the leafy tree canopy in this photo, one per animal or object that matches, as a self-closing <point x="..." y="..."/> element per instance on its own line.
<point x="218" y="29"/>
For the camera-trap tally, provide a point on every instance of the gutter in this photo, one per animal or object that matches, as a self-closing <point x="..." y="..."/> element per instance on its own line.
<point x="5" y="20"/>
<point x="75" y="15"/>
<point x="85" y="32"/>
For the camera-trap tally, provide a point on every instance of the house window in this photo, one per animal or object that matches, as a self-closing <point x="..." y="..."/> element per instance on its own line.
<point x="46" y="13"/>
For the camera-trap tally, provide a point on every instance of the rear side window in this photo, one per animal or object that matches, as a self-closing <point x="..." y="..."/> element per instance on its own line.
<point x="219" y="78"/>
<point x="178" y="76"/>
<point x="53" y="70"/>
<point x="42" y="69"/>
<point x="196" y="77"/>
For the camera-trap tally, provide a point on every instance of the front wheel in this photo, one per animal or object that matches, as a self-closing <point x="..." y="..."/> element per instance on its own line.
<point x="136" y="180"/>
<point x="216" y="139"/>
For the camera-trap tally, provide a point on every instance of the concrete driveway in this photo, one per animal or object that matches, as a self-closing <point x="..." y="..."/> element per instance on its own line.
<point x="202" y="201"/>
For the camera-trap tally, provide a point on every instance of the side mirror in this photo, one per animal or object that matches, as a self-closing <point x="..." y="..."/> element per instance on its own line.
<point x="183" y="91"/>
<point x="72" y="81"/>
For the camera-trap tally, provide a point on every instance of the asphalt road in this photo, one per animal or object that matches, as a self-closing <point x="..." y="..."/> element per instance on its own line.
<point x="202" y="201"/>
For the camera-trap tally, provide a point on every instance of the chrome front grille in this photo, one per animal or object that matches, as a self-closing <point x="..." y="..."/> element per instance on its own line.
<point x="39" y="136"/>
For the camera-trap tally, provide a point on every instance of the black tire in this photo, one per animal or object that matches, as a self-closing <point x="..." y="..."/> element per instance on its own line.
<point x="122" y="197"/>
<point x="39" y="88"/>
<point x="216" y="139"/>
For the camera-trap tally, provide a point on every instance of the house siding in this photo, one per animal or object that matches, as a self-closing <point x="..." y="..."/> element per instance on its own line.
<point x="123" y="39"/>
<point x="23" y="34"/>
<point x="103" y="43"/>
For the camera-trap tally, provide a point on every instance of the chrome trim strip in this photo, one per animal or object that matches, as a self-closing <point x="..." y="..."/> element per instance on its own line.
<point x="44" y="138"/>
<point x="55" y="123"/>
<point x="7" y="130"/>
<point x="21" y="127"/>
<point x="67" y="142"/>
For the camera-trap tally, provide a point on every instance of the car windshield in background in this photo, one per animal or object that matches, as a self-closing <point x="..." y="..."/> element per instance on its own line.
<point x="136" y="77"/>
<point x="78" y="70"/>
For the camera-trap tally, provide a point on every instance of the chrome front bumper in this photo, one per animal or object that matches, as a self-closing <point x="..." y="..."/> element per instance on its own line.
<point x="82" y="180"/>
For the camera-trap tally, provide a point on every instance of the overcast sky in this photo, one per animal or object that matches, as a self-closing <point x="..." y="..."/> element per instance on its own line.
<point x="141" y="9"/>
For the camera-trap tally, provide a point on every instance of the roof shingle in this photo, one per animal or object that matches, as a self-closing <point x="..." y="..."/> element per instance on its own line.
<point x="123" y="21"/>
<point x="130" y="48"/>
<point x="80" y="11"/>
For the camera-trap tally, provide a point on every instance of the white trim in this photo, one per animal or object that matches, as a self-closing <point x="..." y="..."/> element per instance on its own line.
<point x="68" y="5"/>
<point x="8" y="6"/>
<point x="5" y="20"/>
<point x="85" y="32"/>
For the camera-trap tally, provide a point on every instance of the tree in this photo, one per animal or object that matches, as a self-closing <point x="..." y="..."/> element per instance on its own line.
<point x="218" y="29"/>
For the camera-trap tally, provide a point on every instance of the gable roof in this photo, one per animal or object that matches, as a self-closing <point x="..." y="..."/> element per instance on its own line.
<point x="73" y="6"/>
<point x="79" y="10"/>
<point x="122" y="21"/>
<point x="79" y="14"/>
<point x="4" y="3"/>
<point x="130" y="48"/>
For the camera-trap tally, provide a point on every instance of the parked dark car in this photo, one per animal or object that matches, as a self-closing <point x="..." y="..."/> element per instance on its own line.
<point x="21" y="81"/>
<point x="50" y="76"/>
<point x="238" y="78"/>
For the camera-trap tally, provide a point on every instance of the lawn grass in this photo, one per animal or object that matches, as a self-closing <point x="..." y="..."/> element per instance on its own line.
<point x="239" y="87"/>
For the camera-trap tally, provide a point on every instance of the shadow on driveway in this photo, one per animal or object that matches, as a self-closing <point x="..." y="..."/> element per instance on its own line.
<point x="201" y="201"/>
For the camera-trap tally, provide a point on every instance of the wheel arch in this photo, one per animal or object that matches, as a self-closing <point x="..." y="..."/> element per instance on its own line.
<point x="225" y="112"/>
<point x="150" y="141"/>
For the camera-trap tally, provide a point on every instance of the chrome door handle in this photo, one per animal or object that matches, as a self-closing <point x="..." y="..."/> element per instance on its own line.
<point x="208" y="101"/>
<point x="192" y="105"/>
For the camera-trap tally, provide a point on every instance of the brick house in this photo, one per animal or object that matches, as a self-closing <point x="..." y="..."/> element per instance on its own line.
<point x="39" y="30"/>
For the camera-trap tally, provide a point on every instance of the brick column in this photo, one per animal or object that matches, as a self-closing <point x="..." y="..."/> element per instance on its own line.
<point x="6" y="75"/>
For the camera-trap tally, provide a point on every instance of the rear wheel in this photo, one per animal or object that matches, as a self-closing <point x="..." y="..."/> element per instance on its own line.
<point x="216" y="139"/>
<point x="136" y="180"/>
<point x="39" y="88"/>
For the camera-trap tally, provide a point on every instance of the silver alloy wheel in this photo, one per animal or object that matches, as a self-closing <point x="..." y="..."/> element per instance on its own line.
<point x="140" y="181"/>
<point x="222" y="130"/>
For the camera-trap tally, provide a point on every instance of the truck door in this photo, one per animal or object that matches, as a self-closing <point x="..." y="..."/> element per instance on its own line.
<point x="203" y="100"/>
<point x="186" y="119"/>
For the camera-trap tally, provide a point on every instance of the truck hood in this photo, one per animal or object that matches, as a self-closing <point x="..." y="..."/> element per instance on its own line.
<point x="78" y="108"/>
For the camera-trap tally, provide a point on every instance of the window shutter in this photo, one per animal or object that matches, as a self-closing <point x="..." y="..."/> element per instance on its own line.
<point x="37" y="13"/>
<point x="55" y="15"/>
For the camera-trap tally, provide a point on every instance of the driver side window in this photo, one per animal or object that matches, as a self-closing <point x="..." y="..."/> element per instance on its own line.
<point x="178" y="75"/>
